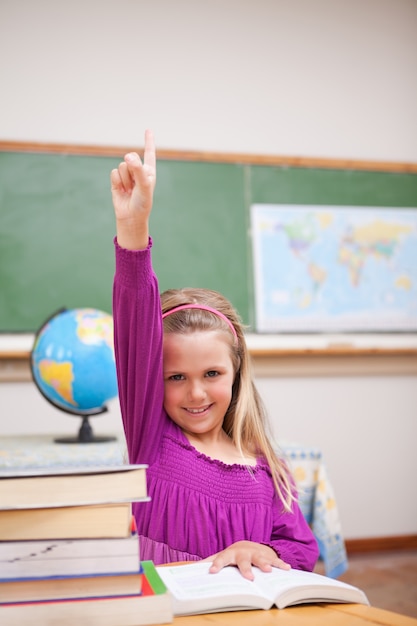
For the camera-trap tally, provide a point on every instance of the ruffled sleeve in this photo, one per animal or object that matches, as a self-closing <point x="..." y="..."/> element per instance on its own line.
<point x="292" y="538"/>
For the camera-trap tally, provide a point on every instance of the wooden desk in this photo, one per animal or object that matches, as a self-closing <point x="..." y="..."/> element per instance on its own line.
<point x="311" y="615"/>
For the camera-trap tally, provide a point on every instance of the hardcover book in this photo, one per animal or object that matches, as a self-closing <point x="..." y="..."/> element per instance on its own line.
<point x="73" y="522"/>
<point x="69" y="557"/>
<point x="63" y="486"/>
<point x="63" y="587"/>
<point x="152" y="606"/>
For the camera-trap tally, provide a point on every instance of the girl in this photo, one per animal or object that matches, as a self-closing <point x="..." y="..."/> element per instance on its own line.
<point x="192" y="413"/>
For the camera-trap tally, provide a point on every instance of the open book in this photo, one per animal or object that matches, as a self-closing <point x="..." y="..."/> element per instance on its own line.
<point x="195" y="590"/>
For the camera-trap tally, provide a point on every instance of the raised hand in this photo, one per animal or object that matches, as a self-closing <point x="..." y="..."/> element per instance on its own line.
<point x="132" y="186"/>
<point x="244" y="554"/>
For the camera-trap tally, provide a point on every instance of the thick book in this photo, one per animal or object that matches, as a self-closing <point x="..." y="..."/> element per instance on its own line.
<point x="74" y="522"/>
<point x="71" y="557"/>
<point x="57" y="487"/>
<point x="63" y="587"/>
<point x="152" y="606"/>
<point x="195" y="590"/>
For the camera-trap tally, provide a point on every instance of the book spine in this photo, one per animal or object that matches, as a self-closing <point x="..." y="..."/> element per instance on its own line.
<point x="153" y="577"/>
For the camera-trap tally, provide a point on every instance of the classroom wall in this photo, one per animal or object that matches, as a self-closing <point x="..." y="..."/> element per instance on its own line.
<point x="321" y="78"/>
<point x="295" y="77"/>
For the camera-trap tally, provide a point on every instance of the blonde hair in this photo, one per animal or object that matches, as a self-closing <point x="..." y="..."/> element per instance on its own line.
<point x="245" y="420"/>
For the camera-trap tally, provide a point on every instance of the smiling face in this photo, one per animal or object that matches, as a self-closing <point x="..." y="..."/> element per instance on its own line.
<point x="198" y="377"/>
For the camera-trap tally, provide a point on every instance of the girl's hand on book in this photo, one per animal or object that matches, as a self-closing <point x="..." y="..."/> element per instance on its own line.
<point x="244" y="554"/>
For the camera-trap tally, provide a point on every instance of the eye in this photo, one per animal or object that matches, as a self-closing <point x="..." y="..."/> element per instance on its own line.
<point x="212" y="374"/>
<point x="176" y="377"/>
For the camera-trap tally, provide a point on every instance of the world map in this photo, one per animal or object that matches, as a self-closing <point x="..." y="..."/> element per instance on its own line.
<point x="334" y="268"/>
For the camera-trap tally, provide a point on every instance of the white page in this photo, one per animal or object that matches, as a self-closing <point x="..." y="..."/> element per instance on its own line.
<point x="196" y="590"/>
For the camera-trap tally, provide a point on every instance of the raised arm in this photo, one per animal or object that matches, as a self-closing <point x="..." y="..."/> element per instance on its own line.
<point x="136" y="306"/>
<point x="132" y="187"/>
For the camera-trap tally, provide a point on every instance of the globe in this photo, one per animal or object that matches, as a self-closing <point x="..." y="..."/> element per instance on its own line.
<point x="73" y="365"/>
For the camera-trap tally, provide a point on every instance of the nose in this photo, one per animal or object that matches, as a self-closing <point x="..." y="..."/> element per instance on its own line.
<point x="196" y="391"/>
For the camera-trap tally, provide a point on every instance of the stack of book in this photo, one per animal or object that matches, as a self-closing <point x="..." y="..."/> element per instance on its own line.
<point x="69" y="549"/>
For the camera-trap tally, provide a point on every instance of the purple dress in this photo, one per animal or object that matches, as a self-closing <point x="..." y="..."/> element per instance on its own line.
<point x="198" y="505"/>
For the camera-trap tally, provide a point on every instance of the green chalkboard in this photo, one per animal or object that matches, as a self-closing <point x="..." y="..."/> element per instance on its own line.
<point x="57" y="225"/>
<point x="55" y="236"/>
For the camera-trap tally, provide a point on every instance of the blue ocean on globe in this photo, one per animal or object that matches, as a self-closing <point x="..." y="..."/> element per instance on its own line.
<point x="73" y="362"/>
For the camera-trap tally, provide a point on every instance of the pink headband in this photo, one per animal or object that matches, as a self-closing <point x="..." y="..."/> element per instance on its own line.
<point x="203" y="307"/>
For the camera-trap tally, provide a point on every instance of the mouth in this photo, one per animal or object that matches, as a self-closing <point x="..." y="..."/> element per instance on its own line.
<point x="198" y="411"/>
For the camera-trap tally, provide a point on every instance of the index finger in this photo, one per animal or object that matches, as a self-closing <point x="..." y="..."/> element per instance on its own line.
<point x="149" y="156"/>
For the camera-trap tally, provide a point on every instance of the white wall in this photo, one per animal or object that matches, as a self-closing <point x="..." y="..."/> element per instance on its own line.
<point x="329" y="78"/>
<point x="24" y="411"/>
<point x="321" y="78"/>
<point x="366" y="430"/>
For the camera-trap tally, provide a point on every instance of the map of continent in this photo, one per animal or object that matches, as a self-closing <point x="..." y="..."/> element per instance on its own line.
<point x="94" y="328"/>
<point x="331" y="268"/>
<point x="59" y="376"/>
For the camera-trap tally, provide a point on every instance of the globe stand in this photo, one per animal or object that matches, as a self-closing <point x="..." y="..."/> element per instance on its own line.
<point x="85" y="434"/>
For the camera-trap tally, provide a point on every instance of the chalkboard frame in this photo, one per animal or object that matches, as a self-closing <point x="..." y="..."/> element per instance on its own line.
<point x="213" y="157"/>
